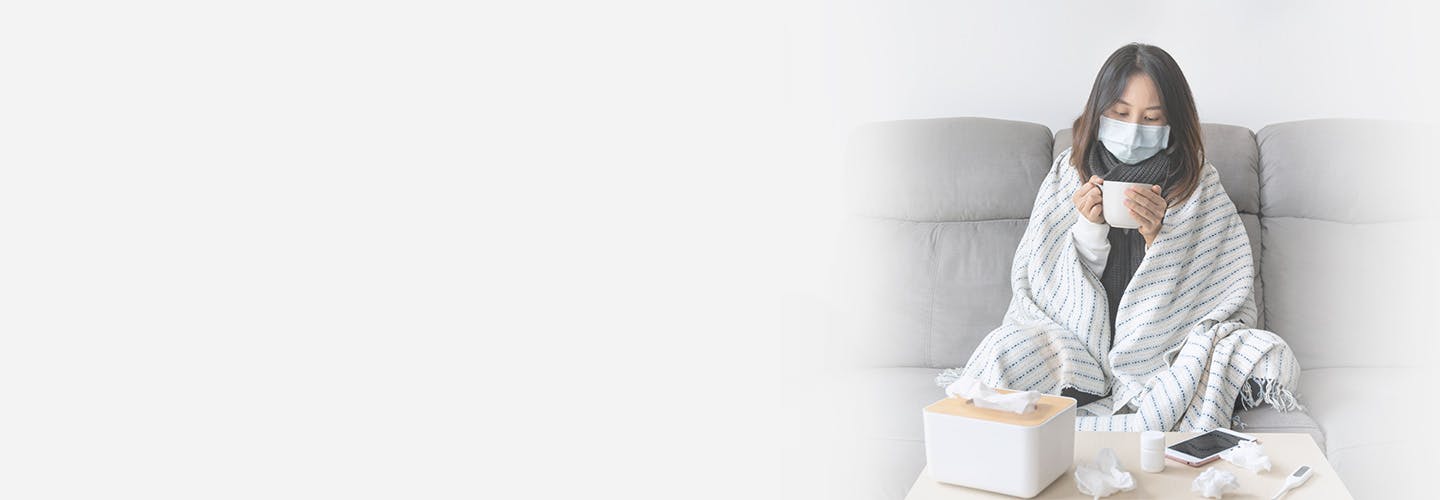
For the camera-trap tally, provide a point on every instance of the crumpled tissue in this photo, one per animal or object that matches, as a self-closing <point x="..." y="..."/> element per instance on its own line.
<point x="1103" y="478"/>
<point x="1214" y="483"/>
<point x="983" y="396"/>
<point x="1248" y="455"/>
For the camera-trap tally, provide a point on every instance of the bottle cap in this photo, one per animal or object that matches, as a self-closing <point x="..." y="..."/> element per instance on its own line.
<point x="1152" y="440"/>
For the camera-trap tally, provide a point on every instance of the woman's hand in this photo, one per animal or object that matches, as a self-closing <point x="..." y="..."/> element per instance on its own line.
<point x="1087" y="200"/>
<point x="1148" y="207"/>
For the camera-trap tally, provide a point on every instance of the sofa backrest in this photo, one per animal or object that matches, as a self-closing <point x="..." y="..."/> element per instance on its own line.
<point x="1349" y="240"/>
<point x="939" y="206"/>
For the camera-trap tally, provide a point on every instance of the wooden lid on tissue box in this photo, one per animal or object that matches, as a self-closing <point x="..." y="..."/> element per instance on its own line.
<point x="1046" y="408"/>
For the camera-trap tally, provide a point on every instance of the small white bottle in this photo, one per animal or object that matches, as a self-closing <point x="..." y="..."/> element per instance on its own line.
<point x="1152" y="451"/>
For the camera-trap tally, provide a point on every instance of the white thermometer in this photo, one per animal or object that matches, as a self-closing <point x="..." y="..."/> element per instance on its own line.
<point x="1296" y="478"/>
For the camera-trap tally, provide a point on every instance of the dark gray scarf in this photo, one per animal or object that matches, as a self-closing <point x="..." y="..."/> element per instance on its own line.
<point x="1127" y="246"/>
<point x="1157" y="169"/>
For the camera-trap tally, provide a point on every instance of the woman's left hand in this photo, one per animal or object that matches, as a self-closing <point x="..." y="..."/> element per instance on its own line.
<point x="1148" y="207"/>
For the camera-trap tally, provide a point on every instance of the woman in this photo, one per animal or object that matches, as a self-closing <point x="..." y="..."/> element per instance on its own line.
<point x="1171" y="348"/>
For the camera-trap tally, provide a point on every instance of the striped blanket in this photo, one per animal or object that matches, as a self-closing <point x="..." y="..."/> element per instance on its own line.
<point x="1184" y="348"/>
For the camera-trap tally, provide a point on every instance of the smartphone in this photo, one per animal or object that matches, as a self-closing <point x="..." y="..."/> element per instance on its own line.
<point x="1205" y="448"/>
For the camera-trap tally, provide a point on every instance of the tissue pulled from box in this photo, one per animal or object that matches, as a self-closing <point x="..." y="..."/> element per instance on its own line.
<point x="983" y="396"/>
<point x="1248" y="455"/>
<point x="1214" y="483"/>
<point x="1105" y="477"/>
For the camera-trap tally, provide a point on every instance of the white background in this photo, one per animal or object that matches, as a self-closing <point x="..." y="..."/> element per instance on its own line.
<point x="418" y="249"/>
<point x="1248" y="63"/>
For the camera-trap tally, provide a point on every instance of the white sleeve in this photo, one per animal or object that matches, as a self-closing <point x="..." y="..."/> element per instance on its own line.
<point x="1092" y="242"/>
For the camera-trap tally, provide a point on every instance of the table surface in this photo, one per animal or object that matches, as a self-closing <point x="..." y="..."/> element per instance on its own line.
<point x="1287" y="452"/>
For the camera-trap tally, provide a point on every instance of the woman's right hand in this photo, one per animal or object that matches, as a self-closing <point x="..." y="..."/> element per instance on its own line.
<point x="1088" y="202"/>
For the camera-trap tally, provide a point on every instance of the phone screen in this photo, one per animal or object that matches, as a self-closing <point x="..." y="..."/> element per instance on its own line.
<point x="1207" y="444"/>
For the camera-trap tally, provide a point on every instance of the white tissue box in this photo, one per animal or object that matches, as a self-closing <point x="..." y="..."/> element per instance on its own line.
<point x="997" y="450"/>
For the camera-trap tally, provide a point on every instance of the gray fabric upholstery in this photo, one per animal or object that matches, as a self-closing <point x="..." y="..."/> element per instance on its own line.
<point x="934" y="289"/>
<point x="1378" y="457"/>
<point x="1334" y="286"/>
<point x="948" y="169"/>
<point x="940" y="206"/>
<point x="1340" y="203"/>
<point x="1346" y="170"/>
<point x="1266" y="418"/>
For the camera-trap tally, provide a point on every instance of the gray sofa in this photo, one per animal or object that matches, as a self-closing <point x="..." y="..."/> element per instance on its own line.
<point x="1344" y="275"/>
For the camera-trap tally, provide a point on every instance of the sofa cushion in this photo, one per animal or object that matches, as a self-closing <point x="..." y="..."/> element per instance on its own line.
<point x="939" y="207"/>
<point x="924" y="294"/>
<point x="947" y="169"/>
<point x="1349" y="294"/>
<point x="1347" y="170"/>
<point x="1346" y="261"/>
<point x="1373" y="424"/>
<point x="1266" y="418"/>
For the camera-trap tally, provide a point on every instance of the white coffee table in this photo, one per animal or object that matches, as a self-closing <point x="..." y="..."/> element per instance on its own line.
<point x="1287" y="451"/>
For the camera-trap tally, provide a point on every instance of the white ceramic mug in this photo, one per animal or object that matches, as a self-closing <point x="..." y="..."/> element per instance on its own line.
<point x="1116" y="213"/>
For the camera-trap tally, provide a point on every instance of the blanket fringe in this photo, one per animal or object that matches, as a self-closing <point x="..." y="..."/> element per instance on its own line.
<point x="1271" y="391"/>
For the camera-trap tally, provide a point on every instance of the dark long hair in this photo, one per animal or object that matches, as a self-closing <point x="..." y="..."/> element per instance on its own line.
<point x="1175" y="97"/>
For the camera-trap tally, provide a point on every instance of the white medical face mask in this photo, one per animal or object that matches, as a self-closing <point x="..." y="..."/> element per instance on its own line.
<point x="1132" y="142"/>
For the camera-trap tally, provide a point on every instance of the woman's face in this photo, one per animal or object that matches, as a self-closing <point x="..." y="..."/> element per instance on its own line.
<point x="1140" y="103"/>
